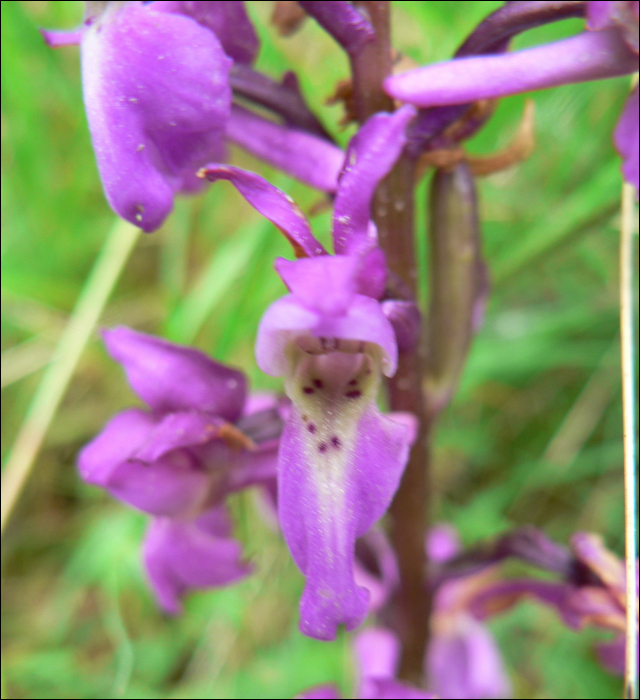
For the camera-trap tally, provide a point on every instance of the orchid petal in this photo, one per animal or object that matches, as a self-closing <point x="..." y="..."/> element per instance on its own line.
<point x="56" y="38"/>
<point x="172" y="486"/>
<point x="172" y="378"/>
<point x="377" y="651"/>
<point x="168" y="486"/>
<point x="625" y="138"/>
<point x="442" y="543"/>
<point x="587" y="56"/>
<point x="372" y="278"/>
<point x="498" y="597"/>
<point x="621" y="15"/>
<point x="333" y="321"/>
<point x="612" y="654"/>
<point x="405" y="318"/>
<point x="597" y="606"/>
<point x="283" y="146"/>
<point x="599" y="14"/>
<point x="257" y="467"/>
<point x="328" y="286"/>
<point x="340" y="463"/>
<point x="272" y="203"/>
<point x="376" y="567"/>
<point x="465" y="662"/>
<point x="157" y="99"/>
<point x="370" y="156"/>
<point x="180" y="555"/>
<point x="176" y="430"/>
<point x="589" y="548"/>
<point x="227" y="20"/>
<point x="115" y="444"/>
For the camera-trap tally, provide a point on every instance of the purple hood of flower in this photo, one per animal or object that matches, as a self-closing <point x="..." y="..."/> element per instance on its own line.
<point x="180" y="459"/>
<point x="608" y="48"/>
<point x="340" y="459"/>
<point x="157" y="95"/>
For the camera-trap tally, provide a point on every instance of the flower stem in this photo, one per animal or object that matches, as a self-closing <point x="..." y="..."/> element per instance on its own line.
<point x="630" y="446"/>
<point x="393" y="214"/>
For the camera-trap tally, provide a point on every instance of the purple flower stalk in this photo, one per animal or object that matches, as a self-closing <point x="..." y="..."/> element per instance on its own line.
<point x="608" y="48"/>
<point x="179" y="460"/>
<point x="340" y="459"/>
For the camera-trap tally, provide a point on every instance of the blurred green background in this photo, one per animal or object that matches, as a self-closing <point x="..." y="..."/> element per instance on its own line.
<point x="533" y="436"/>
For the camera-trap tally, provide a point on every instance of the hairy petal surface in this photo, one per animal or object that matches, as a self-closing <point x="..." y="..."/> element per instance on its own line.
<point x="182" y="555"/>
<point x="587" y="56"/>
<point x="157" y="98"/>
<point x="170" y="377"/>
<point x="272" y="203"/>
<point x="370" y="156"/>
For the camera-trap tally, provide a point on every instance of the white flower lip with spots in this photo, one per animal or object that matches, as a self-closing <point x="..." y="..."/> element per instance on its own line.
<point x="340" y="459"/>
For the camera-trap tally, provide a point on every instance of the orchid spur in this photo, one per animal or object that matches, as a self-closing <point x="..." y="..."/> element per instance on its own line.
<point x="340" y="460"/>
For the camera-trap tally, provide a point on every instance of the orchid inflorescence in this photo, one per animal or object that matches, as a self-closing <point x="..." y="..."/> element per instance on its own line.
<point x="167" y="86"/>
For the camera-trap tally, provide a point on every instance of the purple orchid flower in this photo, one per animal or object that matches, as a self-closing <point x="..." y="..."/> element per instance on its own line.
<point x="598" y="600"/>
<point x="178" y="461"/>
<point x="377" y="652"/>
<point x="463" y="659"/>
<point x="608" y="48"/>
<point x="340" y="459"/>
<point x="157" y="95"/>
<point x="158" y="100"/>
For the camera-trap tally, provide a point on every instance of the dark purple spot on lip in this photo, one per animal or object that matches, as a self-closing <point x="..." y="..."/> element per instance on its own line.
<point x="318" y="384"/>
<point x="311" y="428"/>
<point x="335" y="441"/>
<point x="322" y="447"/>
<point x="353" y="382"/>
<point x="353" y="394"/>
<point x="308" y="390"/>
